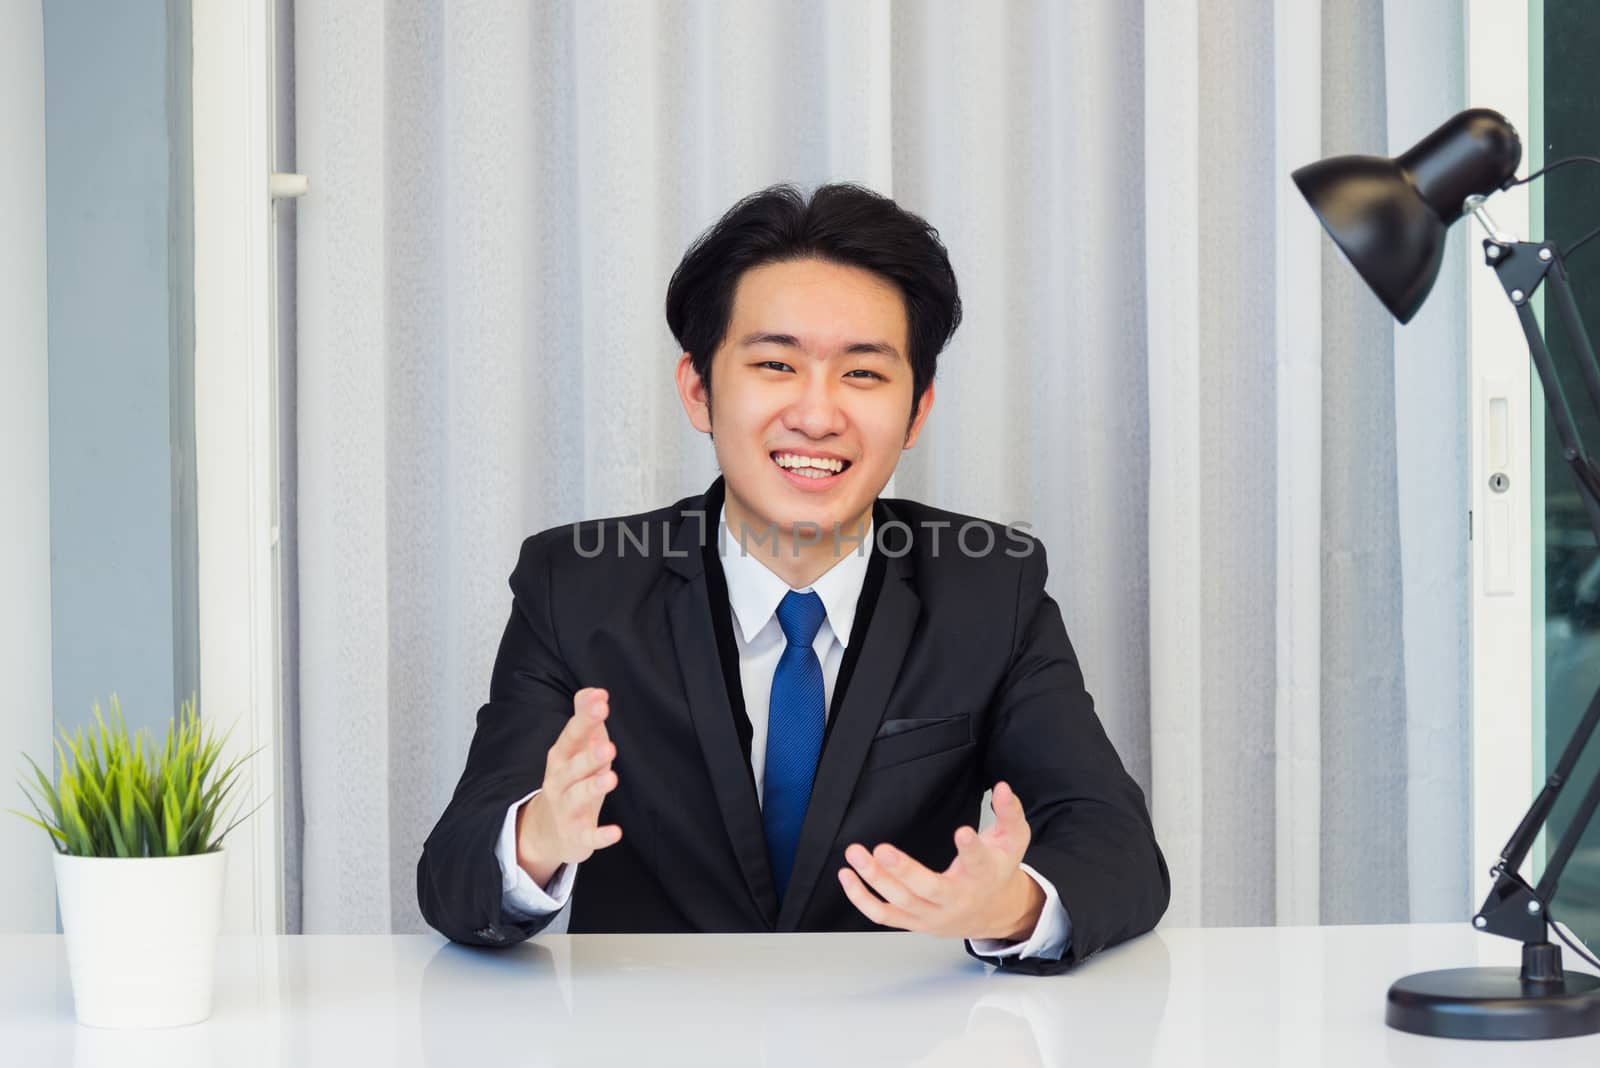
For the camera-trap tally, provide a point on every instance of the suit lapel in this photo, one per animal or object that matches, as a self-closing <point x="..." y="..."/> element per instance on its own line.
<point x="888" y="636"/>
<point x="694" y="637"/>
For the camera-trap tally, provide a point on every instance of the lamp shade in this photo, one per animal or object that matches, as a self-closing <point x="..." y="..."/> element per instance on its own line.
<point x="1389" y="216"/>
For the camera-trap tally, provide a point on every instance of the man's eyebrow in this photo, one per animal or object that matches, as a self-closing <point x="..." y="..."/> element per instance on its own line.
<point x="762" y="338"/>
<point x="880" y="348"/>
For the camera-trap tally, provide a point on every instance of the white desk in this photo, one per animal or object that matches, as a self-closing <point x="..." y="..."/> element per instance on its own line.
<point x="1236" y="997"/>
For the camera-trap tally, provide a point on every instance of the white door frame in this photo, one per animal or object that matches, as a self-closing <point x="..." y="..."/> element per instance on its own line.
<point x="1503" y="765"/>
<point x="236" y="435"/>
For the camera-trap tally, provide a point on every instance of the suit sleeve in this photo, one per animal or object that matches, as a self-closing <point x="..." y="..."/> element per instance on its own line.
<point x="1092" y="836"/>
<point x="459" y="880"/>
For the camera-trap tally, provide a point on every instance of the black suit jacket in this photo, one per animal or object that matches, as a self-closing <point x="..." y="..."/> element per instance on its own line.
<point x="958" y="674"/>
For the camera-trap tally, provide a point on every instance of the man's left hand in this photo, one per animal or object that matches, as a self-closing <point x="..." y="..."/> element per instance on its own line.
<point x="984" y="893"/>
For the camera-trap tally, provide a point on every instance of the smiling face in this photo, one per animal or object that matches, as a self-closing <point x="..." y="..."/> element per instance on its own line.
<point x="810" y="395"/>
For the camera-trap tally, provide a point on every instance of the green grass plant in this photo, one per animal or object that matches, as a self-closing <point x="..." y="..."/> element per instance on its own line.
<point x="118" y="796"/>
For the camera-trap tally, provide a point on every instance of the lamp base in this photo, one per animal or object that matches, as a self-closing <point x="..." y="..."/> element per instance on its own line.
<point x="1495" y="1003"/>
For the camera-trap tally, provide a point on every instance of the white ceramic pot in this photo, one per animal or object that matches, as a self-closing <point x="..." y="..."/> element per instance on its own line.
<point x="141" y="936"/>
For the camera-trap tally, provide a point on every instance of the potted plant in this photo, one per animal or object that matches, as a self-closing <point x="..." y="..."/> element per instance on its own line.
<point x="139" y="866"/>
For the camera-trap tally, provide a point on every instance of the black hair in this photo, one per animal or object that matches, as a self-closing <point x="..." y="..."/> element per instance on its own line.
<point x="841" y="223"/>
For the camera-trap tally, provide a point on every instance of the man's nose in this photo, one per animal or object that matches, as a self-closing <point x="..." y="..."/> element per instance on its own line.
<point x="815" y="411"/>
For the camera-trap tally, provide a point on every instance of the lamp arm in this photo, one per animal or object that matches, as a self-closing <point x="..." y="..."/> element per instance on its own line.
<point x="1569" y="841"/>
<point x="1473" y="206"/>
<point x="1513" y="908"/>
<point x="1567" y="310"/>
<point x="1522" y="267"/>
<point x="1555" y="393"/>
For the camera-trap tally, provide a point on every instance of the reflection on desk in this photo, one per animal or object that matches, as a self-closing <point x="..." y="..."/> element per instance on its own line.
<point x="1242" y="996"/>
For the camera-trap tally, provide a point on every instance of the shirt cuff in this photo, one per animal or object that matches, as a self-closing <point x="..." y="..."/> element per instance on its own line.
<point x="520" y="896"/>
<point x="1051" y="935"/>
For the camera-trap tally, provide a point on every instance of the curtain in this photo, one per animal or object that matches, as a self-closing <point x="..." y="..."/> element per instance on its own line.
<point x="1251" y="482"/>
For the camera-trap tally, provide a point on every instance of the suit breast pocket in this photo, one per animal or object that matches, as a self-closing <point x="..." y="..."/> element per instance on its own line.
<point x="901" y="740"/>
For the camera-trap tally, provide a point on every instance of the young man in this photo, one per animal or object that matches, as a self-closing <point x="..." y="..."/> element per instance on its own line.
<point x="776" y="706"/>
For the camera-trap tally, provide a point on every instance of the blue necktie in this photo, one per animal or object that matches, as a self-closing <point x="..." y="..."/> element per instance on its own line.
<point x="795" y="718"/>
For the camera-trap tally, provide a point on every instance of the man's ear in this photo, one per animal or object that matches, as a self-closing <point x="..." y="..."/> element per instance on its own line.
<point x="694" y="395"/>
<point x="924" y="406"/>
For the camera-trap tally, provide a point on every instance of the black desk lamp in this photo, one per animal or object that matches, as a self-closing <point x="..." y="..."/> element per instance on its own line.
<point x="1388" y="217"/>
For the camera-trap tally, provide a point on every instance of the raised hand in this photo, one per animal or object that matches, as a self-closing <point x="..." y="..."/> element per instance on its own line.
<point x="560" y="824"/>
<point x="984" y="893"/>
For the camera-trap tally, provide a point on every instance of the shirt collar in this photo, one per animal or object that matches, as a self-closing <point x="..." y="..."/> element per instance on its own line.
<point x="754" y="590"/>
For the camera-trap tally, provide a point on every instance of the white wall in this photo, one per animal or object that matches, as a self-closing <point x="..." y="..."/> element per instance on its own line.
<point x="27" y="891"/>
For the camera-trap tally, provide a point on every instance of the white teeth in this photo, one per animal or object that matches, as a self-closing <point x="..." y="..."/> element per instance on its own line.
<point x="799" y="464"/>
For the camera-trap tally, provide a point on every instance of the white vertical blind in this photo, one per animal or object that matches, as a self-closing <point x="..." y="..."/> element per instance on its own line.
<point x="1297" y="95"/>
<point x="1177" y="639"/>
<point x="1156" y="371"/>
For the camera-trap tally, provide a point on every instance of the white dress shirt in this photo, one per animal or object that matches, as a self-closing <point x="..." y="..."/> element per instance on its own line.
<point x="754" y="592"/>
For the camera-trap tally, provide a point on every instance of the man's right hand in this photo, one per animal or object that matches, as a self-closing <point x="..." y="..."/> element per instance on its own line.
<point x="560" y="824"/>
